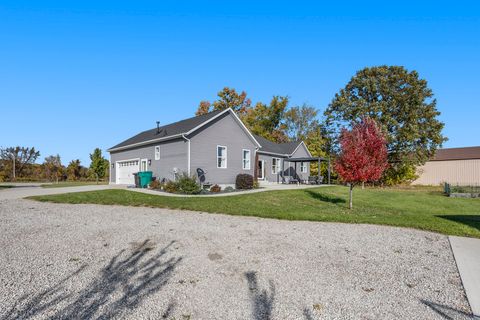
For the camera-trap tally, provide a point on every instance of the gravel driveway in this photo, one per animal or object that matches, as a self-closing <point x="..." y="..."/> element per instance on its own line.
<point x="89" y="261"/>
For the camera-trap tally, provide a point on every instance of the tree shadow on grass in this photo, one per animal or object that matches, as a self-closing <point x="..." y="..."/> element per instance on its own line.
<point x="325" y="197"/>
<point x="120" y="287"/>
<point x="468" y="220"/>
<point x="448" y="312"/>
<point x="262" y="300"/>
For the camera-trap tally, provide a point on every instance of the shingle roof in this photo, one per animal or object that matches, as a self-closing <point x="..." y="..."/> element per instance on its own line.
<point x="457" y="154"/>
<point x="176" y="128"/>
<point x="184" y="126"/>
<point x="280" y="148"/>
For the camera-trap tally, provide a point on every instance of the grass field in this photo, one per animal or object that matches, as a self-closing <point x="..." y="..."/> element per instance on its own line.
<point x="421" y="208"/>
<point x="72" y="184"/>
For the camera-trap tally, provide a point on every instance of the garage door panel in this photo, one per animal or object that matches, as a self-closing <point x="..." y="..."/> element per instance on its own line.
<point x="125" y="171"/>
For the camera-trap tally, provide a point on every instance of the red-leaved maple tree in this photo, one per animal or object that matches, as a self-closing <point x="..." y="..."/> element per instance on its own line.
<point x="363" y="155"/>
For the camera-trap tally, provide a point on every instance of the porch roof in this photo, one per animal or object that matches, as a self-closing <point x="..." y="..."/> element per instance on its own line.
<point x="306" y="159"/>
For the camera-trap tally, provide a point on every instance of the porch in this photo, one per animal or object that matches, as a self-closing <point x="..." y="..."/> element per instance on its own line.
<point x="291" y="175"/>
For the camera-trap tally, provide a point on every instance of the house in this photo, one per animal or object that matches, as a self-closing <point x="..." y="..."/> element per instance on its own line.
<point x="217" y="144"/>
<point x="457" y="166"/>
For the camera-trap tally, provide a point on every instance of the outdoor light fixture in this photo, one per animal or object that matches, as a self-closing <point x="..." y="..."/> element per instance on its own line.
<point x="149" y="162"/>
<point x="113" y="165"/>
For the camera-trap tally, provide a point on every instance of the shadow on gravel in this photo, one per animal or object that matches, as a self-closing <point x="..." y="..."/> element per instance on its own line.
<point x="262" y="300"/>
<point x="325" y="197"/>
<point x="447" y="312"/>
<point x="308" y="314"/>
<point x="121" y="286"/>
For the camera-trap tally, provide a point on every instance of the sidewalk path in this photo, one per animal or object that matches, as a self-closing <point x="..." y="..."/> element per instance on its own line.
<point x="467" y="256"/>
<point x="229" y="194"/>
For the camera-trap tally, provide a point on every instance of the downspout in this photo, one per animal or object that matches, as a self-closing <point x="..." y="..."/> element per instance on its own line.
<point x="255" y="165"/>
<point x="188" y="153"/>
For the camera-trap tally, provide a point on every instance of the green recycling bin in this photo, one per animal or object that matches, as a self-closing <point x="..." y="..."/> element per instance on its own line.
<point x="145" y="178"/>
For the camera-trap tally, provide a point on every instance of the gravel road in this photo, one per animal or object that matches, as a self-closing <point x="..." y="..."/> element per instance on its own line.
<point x="89" y="261"/>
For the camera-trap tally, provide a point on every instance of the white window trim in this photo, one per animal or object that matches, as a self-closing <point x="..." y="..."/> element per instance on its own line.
<point x="217" y="156"/>
<point x="157" y="154"/>
<point x="249" y="159"/>
<point x="303" y="165"/>
<point x="277" y="166"/>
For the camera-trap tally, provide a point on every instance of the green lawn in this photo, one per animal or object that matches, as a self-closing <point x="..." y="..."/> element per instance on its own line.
<point x="72" y="184"/>
<point x="421" y="208"/>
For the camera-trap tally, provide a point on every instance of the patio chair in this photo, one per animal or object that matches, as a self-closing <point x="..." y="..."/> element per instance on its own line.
<point x="312" y="180"/>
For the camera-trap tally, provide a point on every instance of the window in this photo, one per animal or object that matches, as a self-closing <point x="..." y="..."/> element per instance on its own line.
<point x="246" y="159"/>
<point x="157" y="153"/>
<point x="276" y="165"/>
<point x="303" y="167"/>
<point x="221" y="157"/>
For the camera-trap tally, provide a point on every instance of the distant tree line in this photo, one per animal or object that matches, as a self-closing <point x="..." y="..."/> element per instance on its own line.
<point x="398" y="100"/>
<point x="20" y="164"/>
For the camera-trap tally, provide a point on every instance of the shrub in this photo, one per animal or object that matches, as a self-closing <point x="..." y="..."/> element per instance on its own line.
<point x="400" y="174"/>
<point x="244" y="181"/>
<point x="215" y="188"/>
<point x="171" y="187"/>
<point x="156" y="185"/>
<point x="256" y="185"/>
<point x="188" y="185"/>
<point x="228" y="189"/>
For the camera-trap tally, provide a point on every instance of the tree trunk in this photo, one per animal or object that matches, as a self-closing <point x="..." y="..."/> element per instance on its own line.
<point x="363" y="185"/>
<point x="351" y="196"/>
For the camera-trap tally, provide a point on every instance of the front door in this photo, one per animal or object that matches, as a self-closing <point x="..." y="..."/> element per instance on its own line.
<point x="261" y="169"/>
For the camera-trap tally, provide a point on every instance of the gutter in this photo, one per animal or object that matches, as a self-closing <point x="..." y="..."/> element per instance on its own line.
<point x="145" y="142"/>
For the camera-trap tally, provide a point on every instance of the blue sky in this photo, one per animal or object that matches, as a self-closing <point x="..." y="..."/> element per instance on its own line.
<point x="75" y="75"/>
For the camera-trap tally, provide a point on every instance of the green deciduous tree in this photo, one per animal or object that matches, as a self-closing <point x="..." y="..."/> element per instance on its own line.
<point x="268" y="121"/>
<point x="74" y="170"/>
<point x="401" y="103"/>
<point x="227" y="98"/>
<point x="53" y="168"/>
<point x="99" y="165"/>
<point x="300" y="121"/>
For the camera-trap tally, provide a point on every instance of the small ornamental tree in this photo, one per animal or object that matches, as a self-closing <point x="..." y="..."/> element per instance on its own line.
<point x="363" y="155"/>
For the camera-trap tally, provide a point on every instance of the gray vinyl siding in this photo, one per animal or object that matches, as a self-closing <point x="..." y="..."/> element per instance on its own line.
<point x="301" y="152"/>
<point x="288" y="167"/>
<point x="269" y="176"/>
<point x="173" y="154"/>
<point x="224" y="131"/>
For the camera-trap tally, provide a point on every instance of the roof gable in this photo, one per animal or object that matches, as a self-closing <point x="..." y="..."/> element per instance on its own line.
<point x="177" y="129"/>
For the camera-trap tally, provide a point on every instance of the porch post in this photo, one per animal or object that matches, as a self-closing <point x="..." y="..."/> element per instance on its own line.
<point x="282" y="172"/>
<point x="296" y="175"/>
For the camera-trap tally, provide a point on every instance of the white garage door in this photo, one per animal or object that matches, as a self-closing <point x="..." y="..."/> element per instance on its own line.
<point x="125" y="171"/>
